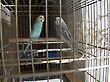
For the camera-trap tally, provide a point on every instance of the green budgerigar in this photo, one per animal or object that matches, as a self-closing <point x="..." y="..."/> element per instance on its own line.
<point x="37" y="28"/>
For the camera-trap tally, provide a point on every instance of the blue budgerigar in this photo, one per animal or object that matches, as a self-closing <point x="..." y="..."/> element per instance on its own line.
<point x="66" y="35"/>
<point x="36" y="31"/>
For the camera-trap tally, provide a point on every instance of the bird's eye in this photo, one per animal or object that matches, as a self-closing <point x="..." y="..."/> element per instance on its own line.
<point x="40" y="17"/>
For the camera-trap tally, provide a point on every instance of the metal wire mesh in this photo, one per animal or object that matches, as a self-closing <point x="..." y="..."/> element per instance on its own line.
<point x="94" y="16"/>
<point x="49" y="56"/>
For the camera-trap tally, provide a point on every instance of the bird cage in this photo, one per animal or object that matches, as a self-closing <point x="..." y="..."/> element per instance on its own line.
<point x="54" y="40"/>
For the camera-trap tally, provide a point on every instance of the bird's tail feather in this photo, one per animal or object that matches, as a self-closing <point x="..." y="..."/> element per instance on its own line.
<point x="29" y="43"/>
<point x="71" y="47"/>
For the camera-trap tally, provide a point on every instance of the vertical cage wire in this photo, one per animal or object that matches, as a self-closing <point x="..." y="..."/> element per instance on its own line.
<point x="73" y="34"/>
<point x="17" y="36"/>
<point x="1" y="37"/>
<point x="96" y="34"/>
<point x="108" y="43"/>
<point x="4" y="72"/>
<point x="100" y="24"/>
<point x="47" y="38"/>
<point x="30" y="34"/>
<point x="104" y="72"/>
<point x="60" y="38"/>
<point x="94" y="71"/>
<point x="85" y="29"/>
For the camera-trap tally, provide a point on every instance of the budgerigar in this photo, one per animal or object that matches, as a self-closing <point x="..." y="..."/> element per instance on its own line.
<point x="66" y="35"/>
<point x="36" y="30"/>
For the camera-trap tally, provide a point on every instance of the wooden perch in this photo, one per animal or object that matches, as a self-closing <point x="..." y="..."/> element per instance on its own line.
<point x="34" y="40"/>
<point x="54" y="58"/>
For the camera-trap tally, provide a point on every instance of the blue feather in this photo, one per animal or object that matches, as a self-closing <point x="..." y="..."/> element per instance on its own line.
<point x="69" y="35"/>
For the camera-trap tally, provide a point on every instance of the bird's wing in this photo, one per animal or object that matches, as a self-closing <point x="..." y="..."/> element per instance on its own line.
<point x="58" y="30"/>
<point x="66" y="35"/>
<point x="36" y="30"/>
<point x="65" y="31"/>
